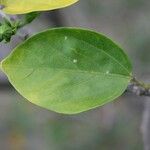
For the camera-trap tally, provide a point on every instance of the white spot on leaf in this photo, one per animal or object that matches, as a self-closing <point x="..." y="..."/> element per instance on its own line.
<point x="75" y="61"/>
<point x="107" y="72"/>
<point x="66" y="37"/>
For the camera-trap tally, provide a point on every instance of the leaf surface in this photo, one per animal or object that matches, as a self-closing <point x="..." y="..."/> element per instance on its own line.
<point x="68" y="70"/>
<point x="26" y="6"/>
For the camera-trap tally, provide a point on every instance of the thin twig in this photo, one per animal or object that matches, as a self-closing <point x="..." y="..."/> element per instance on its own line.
<point x="138" y="88"/>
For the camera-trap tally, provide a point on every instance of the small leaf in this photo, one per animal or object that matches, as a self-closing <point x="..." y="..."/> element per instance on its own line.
<point x="26" y="6"/>
<point x="7" y="30"/>
<point x="68" y="70"/>
<point x="28" y="18"/>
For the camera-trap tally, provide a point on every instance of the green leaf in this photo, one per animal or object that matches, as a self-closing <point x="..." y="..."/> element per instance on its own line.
<point x="7" y="30"/>
<point x="26" y="6"/>
<point x="28" y="18"/>
<point x="68" y="70"/>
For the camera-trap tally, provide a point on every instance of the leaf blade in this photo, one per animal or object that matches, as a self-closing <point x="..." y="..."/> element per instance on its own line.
<point x="68" y="70"/>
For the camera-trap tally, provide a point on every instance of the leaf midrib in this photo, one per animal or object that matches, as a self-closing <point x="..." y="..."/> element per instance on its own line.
<point x="11" y="67"/>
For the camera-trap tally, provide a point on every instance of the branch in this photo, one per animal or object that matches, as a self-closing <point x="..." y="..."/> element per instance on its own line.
<point x="146" y="124"/>
<point x="138" y="88"/>
<point x="141" y="89"/>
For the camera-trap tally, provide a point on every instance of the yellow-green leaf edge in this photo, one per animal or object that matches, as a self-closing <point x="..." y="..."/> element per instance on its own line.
<point x="27" y="6"/>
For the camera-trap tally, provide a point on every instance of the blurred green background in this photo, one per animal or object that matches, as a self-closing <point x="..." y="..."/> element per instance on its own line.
<point x="115" y="126"/>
